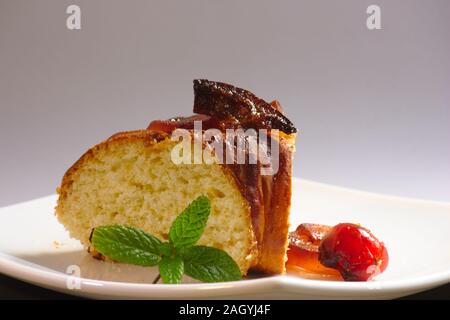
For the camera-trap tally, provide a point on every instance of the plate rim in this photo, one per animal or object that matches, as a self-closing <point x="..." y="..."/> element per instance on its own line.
<point x="12" y="266"/>
<point x="18" y="268"/>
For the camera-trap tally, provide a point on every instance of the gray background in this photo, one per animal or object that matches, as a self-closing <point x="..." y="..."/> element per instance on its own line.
<point x="372" y="106"/>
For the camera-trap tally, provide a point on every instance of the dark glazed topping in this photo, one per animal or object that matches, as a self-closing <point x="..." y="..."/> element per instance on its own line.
<point x="223" y="106"/>
<point x="238" y="106"/>
<point x="183" y="123"/>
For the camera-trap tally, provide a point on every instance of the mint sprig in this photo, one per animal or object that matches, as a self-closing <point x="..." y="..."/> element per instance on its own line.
<point x="175" y="257"/>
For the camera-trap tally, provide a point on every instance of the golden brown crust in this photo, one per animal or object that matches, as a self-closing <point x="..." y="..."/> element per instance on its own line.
<point x="270" y="201"/>
<point x="277" y="206"/>
<point x="147" y="135"/>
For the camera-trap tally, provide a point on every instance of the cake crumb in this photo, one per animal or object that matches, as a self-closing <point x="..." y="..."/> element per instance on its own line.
<point x="57" y="244"/>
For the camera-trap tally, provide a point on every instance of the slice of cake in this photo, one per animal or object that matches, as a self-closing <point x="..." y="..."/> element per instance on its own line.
<point x="132" y="179"/>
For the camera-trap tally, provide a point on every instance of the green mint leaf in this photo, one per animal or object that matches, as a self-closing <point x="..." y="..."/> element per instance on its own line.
<point x="127" y="245"/>
<point x="166" y="249"/>
<point x="188" y="227"/>
<point x="171" y="269"/>
<point x="209" y="264"/>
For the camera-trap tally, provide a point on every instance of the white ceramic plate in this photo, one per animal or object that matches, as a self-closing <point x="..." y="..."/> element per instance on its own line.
<point x="35" y="248"/>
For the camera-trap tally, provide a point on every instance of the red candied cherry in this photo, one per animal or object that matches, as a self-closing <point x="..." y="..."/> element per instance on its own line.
<point x="354" y="251"/>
